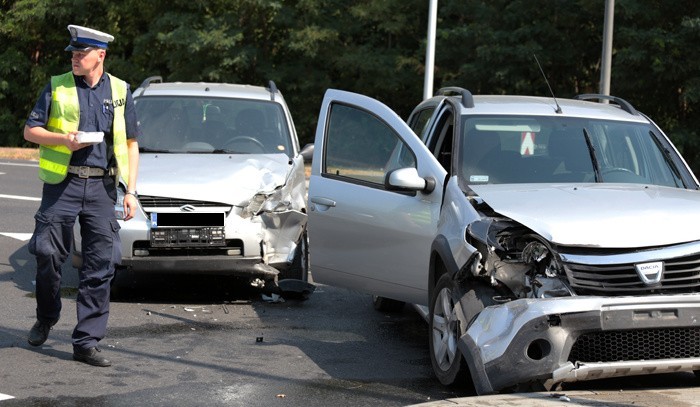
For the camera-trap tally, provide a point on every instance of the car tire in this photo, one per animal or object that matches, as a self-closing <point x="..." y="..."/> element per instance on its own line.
<point x="446" y="327"/>
<point x="120" y="284"/>
<point x="76" y="261"/>
<point x="384" y="304"/>
<point x="299" y="268"/>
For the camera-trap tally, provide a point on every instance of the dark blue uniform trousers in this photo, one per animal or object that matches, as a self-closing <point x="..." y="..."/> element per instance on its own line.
<point x="91" y="201"/>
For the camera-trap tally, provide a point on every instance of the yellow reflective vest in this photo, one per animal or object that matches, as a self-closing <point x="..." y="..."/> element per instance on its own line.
<point x="64" y="117"/>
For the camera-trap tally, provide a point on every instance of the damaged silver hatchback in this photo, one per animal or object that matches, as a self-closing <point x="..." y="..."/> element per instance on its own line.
<point x="221" y="184"/>
<point x="545" y="242"/>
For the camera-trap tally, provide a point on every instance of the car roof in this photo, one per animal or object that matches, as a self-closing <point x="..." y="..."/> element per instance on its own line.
<point x="544" y="106"/>
<point x="208" y="89"/>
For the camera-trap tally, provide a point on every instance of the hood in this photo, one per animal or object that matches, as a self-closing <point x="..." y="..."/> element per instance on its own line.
<point x="600" y="215"/>
<point x="227" y="178"/>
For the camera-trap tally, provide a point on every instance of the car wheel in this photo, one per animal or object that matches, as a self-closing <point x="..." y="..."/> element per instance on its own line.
<point x="384" y="304"/>
<point x="299" y="269"/>
<point x="120" y="284"/>
<point x="446" y="326"/>
<point x="76" y="261"/>
<point x="445" y="330"/>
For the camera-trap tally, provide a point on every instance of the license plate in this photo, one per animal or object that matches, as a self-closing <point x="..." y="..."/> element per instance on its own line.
<point x="188" y="237"/>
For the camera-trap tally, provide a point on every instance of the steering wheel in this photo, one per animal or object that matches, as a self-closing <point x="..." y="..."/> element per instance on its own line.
<point x="609" y="170"/>
<point x="245" y="139"/>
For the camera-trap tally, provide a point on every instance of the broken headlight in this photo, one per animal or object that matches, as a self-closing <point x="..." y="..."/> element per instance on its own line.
<point x="267" y="202"/>
<point x="546" y="277"/>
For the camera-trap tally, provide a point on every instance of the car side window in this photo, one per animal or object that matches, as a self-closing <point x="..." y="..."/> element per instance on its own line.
<point x="359" y="146"/>
<point x="418" y="121"/>
<point x="441" y="142"/>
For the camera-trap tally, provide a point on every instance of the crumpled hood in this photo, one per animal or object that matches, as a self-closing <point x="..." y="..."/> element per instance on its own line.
<point x="225" y="178"/>
<point x="600" y="215"/>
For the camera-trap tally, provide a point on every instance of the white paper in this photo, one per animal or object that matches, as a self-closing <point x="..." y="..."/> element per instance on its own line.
<point x="92" y="137"/>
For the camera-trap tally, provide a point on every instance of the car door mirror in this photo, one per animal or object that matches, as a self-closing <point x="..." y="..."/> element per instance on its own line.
<point x="307" y="153"/>
<point x="407" y="179"/>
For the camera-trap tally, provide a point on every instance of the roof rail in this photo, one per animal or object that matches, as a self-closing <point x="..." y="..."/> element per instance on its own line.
<point x="467" y="98"/>
<point x="150" y="79"/>
<point x="625" y="105"/>
<point x="273" y="89"/>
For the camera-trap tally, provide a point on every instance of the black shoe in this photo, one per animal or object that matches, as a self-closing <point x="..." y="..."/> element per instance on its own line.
<point x="90" y="356"/>
<point x="39" y="332"/>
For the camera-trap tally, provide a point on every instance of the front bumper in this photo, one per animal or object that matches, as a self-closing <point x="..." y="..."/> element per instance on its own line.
<point x="255" y="247"/>
<point x="213" y="265"/>
<point x="531" y="339"/>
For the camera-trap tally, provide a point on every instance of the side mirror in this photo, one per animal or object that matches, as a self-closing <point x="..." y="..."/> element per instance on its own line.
<point x="307" y="153"/>
<point x="407" y="179"/>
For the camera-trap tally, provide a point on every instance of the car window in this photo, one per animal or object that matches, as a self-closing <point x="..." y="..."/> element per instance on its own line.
<point x="419" y="121"/>
<point x="195" y="125"/>
<point x="361" y="147"/>
<point x="440" y="141"/>
<point x="501" y="150"/>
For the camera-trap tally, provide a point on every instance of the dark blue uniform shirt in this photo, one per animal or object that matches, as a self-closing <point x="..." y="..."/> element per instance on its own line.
<point x="96" y="114"/>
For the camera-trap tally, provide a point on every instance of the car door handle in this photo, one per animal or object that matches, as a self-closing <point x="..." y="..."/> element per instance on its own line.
<point x="324" y="203"/>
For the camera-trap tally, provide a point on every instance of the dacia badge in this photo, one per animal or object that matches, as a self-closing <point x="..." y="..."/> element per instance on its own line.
<point x="650" y="273"/>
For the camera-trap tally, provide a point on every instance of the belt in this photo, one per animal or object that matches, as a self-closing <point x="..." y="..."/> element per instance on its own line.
<point x="87" y="172"/>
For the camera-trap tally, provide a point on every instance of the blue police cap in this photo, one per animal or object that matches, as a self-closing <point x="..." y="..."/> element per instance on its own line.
<point x="83" y="38"/>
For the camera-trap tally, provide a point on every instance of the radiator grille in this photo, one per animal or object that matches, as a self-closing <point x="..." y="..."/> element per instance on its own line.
<point x="681" y="275"/>
<point x="166" y="202"/>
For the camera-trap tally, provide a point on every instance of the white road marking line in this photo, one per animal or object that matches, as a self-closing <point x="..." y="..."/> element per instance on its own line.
<point x="36" y="164"/>
<point x="5" y="396"/>
<point x="26" y="198"/>
<point x="19" y="236"/>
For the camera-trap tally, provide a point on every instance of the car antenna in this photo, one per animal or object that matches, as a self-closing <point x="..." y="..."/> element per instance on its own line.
<point x="558" y="110"/>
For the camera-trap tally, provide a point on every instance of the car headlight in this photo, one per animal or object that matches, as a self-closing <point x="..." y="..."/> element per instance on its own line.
<point x="119" y="204"/>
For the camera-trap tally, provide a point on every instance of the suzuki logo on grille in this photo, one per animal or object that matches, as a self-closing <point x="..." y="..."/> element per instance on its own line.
<point x="188" y="208"/>
<point x="650" y="273"/>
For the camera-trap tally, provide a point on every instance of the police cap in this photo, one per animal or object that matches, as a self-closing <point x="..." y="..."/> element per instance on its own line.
<point x="83" y="38"/>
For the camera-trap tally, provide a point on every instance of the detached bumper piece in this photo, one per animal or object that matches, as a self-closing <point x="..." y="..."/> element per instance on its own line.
<point x="557" y="340"/>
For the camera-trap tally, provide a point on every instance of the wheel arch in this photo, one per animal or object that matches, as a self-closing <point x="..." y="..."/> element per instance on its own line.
<point x="441" y="262"/>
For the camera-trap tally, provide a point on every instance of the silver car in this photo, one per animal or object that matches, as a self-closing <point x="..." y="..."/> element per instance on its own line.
<point x="544" y="241"/>
<point x="221" y="184"/>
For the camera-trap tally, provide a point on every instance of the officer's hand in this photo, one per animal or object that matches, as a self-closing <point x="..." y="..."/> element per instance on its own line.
<point x="72" y="144"/>
<point x="129" y="206"/>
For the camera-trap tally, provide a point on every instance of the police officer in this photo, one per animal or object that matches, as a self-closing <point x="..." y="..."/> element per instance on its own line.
<point x="80" y="180"/>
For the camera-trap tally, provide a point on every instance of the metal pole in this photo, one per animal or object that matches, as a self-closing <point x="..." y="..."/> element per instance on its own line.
<point x="430" y="51"/>
<point x="606" y="62"/>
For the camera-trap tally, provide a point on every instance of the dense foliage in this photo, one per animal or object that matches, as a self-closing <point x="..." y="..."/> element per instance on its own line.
<point x="371" y="47"/>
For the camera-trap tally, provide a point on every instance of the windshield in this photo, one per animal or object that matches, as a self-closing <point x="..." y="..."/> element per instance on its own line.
<point x="501" y="150"/>
<point x="176" y="124"/>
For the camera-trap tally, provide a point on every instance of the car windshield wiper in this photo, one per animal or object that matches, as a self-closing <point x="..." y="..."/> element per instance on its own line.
<point x="153" y="150"/>
<point x="594" y="159"/>
<point x="669" y="161"/>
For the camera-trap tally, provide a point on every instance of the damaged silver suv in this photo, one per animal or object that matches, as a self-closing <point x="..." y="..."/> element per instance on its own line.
<point x="545" y="242"/>
<point x="221" y="184"/>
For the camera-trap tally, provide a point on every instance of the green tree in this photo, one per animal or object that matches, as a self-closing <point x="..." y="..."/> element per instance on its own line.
<point x="370" y="47"/>
<point x="657" y="67"/>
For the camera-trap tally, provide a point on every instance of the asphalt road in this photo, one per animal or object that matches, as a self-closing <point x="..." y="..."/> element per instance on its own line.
<point x="194" y="340"/>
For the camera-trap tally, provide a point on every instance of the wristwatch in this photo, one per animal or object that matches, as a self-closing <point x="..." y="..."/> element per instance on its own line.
<point x="132" y="193"/>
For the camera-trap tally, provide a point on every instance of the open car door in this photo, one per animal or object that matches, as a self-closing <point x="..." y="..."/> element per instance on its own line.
<point x="374" y="198"/>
